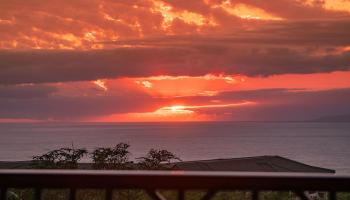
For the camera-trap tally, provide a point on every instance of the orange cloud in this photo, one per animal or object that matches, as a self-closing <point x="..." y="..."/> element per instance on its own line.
<point x="169" y="15"/>
<point x="168" y="60"/>
<point x="146" y="84"/>
<point x="207" y="85"/>
<point x="337" y="5"/>
<point x="315" y="81"/>
<point x="247" y="11"/>
<point x="84" y="25"/>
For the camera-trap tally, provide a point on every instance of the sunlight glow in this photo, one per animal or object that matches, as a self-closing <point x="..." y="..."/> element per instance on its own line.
<point x="181" y="109"/>
<point x="176" y="112"/>
<point x="101" y="84"/>
<point x="173" y="110"/>
<point x="247" y="12"/>
<point x="146" y="84"/>
<point x="169" y="15"/>
<point x="228" y="78"/>
<point x="337" y="5"/>
<point x="177" y="86"/>
<point x="7" y="22"/>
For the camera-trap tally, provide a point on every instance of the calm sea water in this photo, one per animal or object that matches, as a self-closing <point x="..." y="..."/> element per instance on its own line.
<point x="320" y="144"/>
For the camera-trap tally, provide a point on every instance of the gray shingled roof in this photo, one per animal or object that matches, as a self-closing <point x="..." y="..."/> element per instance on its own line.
<point x="250" y="164"/>
<point x="247" y="164"/>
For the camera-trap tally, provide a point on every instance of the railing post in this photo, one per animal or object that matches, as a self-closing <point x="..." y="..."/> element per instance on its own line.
<point x="181" y="195"/>
<point x="3" y="193"/>
<point x="255" y="195"/>
<point x="37" y="193"/>
<point x="72" y="194"/>
<point x="109" y="194"/>
<point x="332" y="195"/>
<point x="209" y="195"/>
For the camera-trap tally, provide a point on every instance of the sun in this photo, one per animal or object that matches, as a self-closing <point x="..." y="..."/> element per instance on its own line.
<point x="176" y="108"/>
<point x="173" y="110"/>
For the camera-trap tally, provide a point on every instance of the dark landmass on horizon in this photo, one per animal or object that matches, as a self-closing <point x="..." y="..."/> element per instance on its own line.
<point x="334" y="118"/>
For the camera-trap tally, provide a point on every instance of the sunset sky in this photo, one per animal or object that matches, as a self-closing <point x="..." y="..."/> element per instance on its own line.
<point x="174" y="60"/>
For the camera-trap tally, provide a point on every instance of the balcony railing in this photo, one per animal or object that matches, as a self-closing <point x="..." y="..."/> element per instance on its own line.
<point x="153" y="181"/>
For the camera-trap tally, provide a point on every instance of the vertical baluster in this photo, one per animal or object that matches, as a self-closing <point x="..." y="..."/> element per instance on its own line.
<point x="332" y="195"/>
<point x="109" y="194"/>
<point x="181" y="195"/>
<point x="3" y="193"/>
<point x="255" y="195"/>
<point x="37" y="193"/>
<point x="209" y="195"/>
<point x="72" y="194"/>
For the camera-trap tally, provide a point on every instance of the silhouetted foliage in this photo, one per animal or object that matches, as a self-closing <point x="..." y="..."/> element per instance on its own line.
<point x="112" y="158"/>
<point x="64" y="158"/>
<point x="118" y="158"/>
<point x="277" y="195"/>
<point x="157" y="159"/>
<point x="343" y="195"/>
<point x="104" y="158"/>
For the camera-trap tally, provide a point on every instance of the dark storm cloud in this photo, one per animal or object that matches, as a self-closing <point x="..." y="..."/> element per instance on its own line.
<point x="309" y="39"/>
<point x="140" y="38"/>
<point x="272" y="104"/>
<point x="26" y="91"/>
<point x="283" y="104"/>
<point x="302" y="33"/>
<point x="271" y="48"/>
<point x="61" y="66"/>
<point x="68" y="107"/>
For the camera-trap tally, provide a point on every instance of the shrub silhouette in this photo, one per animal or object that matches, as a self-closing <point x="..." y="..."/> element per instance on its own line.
<point x="156" y="160"/>
<point x="64" y="158"/>
<point x="104" y="158"/>
<point x="112" y="158"/>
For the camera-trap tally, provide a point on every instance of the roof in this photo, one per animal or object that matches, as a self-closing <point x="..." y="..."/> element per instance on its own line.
<point x="246" y="164"/>
<point x="250" y="164"/>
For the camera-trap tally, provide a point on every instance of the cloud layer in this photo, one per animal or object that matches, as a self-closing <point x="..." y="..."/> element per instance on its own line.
<point x="191" y="60"/>
<point x="271" y="104"/>
<point x="52" y="51"/>
<point x="147" y="38"/>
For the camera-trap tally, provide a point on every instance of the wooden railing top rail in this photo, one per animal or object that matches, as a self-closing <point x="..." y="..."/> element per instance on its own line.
<point x="173" y="180"/>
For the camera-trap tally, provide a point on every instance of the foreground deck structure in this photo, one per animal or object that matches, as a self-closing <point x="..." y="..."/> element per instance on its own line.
<point x="153" y="181"/>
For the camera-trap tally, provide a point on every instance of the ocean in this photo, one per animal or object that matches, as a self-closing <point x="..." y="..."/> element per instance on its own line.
<point x="321" y="144"/>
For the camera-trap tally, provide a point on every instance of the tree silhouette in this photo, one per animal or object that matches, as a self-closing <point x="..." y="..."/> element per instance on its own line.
<point x="64" y="158"/>
<point x="111" y="158"/>
<point x="157" y="159"/>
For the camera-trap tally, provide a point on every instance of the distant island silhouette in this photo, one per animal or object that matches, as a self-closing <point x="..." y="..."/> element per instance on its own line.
<point x="334" y="118"/>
